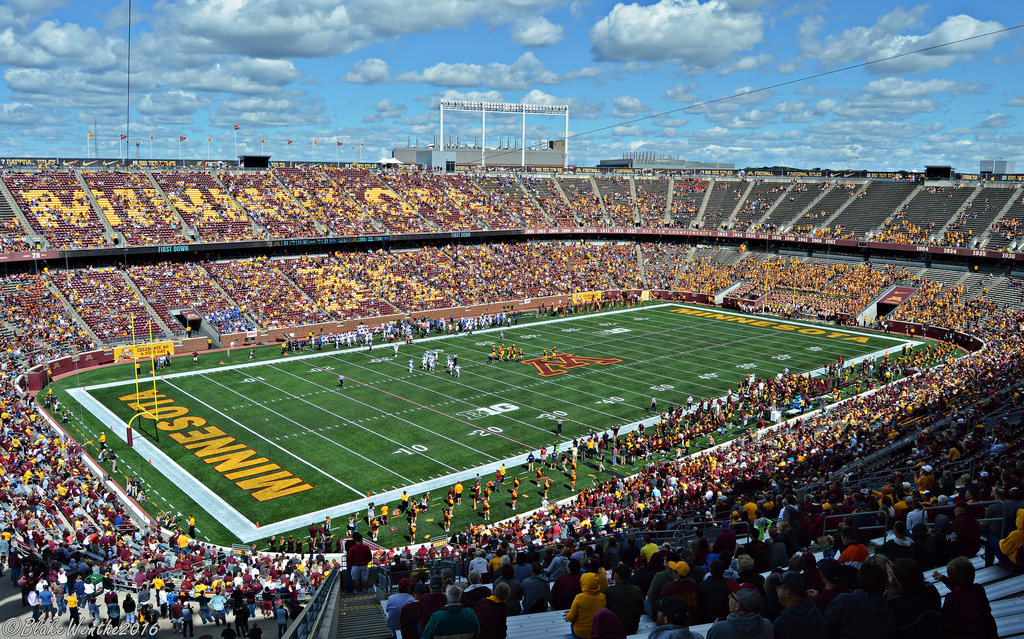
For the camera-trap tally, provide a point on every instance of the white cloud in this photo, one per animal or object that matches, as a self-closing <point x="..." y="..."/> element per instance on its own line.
<point x="994" y="121"/>
<point x="536" y="31"/>
<point x="171" y="103"/>
<point x="684" y="31"/>
<point x="579" y="109"/>
<point x="369" y="71"/>
<point x="680" y="93"/>
<point x="526" y="71"/>
<point x="627" y="106"/>
<point x="256" y="111"/>
<point x="385" y="110"/>
<point x="1015" y="102"/>
<point x="787" y="66"/>
<point x="747" y="63"/>
<point x="886" y="38"/>
<point x="631" y="131"/>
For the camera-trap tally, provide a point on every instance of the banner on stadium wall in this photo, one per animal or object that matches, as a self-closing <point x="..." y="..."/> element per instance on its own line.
<point x="645" y="296"/>
<point x="898" y="295"/>
<point x="589" y="296"/>
<point x="143" y="351"/>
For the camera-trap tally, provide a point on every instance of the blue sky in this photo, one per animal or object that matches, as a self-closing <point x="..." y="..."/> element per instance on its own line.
<point x="373" y="71"/>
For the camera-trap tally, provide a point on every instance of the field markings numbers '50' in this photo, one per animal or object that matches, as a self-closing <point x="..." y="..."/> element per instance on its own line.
<point x="663" y="387"/>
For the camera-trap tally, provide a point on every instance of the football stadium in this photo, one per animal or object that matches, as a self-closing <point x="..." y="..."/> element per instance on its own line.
<point x="493" y="390"/>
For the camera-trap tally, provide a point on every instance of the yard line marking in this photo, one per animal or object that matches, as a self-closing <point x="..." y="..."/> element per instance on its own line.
<point x="381" y="410"/>
<point x="307" y="428"/>
<point x="277" y="446"/>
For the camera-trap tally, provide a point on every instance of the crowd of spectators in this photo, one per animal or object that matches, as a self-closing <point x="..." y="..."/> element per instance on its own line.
<point x="57" y="208"/>
<point x="263" y="293"/>
<point x="326" y="200"/>
<point x="203" y="204"/>
<point x="132" y="205"/>
<point x="269" y="204"/>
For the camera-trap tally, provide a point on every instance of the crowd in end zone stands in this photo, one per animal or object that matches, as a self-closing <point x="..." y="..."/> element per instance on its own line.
<point x="70" y="544"/>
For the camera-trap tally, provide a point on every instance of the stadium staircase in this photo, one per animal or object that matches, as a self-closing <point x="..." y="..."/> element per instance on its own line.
<point x="145" y="303"/>
<point x="632" y="197"/>
<point x="258" y="231"/>
<point x="9" y="211"/>
<point x="667" y="218"/>
<point x="999" y="241"/>
<point x="976" y="219"/>
<point x="827" y="222"/>
<point x="695" y="222"/>
<point x="533" y="199"/>
<point x="810" y="205"/>
<point x="111" y="235"/>
<point x="190" y="232"/>
<point x="52" y="288"/>
<point x="754" y="224"/>
<point x="360" y="616"/>
<point x="605" y="218"/>
<point x="320" y="226"/>
<point x="728" y="221"/>
<point x="963" y="207"/>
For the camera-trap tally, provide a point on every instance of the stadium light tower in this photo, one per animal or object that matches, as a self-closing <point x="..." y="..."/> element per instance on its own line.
<point x="502" y="107"/>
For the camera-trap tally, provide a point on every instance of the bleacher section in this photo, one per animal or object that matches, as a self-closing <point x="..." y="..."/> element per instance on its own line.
<point x="379" y="200"/>
<point x="725" y="195"/>
<point x="800" y="195"/>
<point x="870" y="209"/>
<point x="584" y="208"/>
<point x="966" y="230"/>
<point x="169" y="286"/>
<point x="510" y="205"/>
<point x="687" y="195"/>
<point x="618" y="202"/>
<point x="757" y="203"/>
<point x="104" y="301"/>
<point x="204" y="205"/>
<point x="816" y="216"/>
<point x="57" y="208"/>
<point x="651" y="200"/>
<point x="544" y="191"/>
<point x="449" y="201"/>
<point x="1009" y="230"/>
<point x="268" y="204"/>
<point x="925" y="214"/>
<point x="264" y="293"/>
<point x="132" y="206"/>
<point x="326" y="200"/>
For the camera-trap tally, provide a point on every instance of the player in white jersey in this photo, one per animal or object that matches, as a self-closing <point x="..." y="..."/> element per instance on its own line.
<point x="458" y="370"/>
<point x="410" y="364"/>
<point x="396" y="349"/>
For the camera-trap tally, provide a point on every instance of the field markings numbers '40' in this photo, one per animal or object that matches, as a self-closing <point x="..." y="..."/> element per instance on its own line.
<point x="610" y="400"/>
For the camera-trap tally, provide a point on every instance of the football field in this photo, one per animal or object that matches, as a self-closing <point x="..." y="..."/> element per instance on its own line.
<point x="268" y="445"/>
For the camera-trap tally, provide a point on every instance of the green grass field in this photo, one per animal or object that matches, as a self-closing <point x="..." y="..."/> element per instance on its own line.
<point x="274" y="440"/>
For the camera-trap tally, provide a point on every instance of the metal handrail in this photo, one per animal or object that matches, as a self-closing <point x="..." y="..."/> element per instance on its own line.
<point x="883" y="526"/>
<point x="311" y="619"/>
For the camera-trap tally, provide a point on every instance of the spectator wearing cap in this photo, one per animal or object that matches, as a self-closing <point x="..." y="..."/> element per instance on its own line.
<point x="966" y="613"/>
<point x="673" y="622"/>
<point x="431" y="602"/>
<point x="625" y="600"/>
<point x="800" y="618"/>
<point x="453" y="621"/>
<point x="900" y="546"/>
<point x="685" y="588"/>
<point x="744" y="620"/>
<point x="862" y="613"/>
<point x="658" y="582"/>
<point x="397" y="601"/>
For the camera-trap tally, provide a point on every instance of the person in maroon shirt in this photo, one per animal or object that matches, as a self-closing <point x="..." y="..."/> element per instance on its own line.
<point x="359" y="556"/>
<point x="966" y="613"/>
<point x="431" y="602"/>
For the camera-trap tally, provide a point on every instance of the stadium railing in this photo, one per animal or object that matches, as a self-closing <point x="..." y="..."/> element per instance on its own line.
<point x="879" y="528"/>
<point x="311" y="620"/>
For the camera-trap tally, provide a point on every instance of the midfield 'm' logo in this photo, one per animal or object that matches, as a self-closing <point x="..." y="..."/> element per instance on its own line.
<point x="558" y="364"/>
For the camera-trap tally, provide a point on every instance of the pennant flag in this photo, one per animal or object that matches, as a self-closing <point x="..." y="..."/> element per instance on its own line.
<point x="124" y="137"/>
<point x="340" y="144"/>
<point x="152" y="137"/>
<point x="236" y="127"/>
<point x="361" y="144"/>
<point x="263" y="141"/>
<point x="91" y="136"/>
<point x="209" y="139"/>
<point x="181" y="138"/>
<point x="315" y="143"/>
<point x="289" y="141"/>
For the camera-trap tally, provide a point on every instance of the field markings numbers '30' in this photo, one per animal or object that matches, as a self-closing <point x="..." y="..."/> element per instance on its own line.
<point x="555" y="414"/>
<point x="814" y="348"/>
<point x="488" y="411"/>
<point x="747" y="366"/>
<point x="708" y="376"/>
<point x="782" y="357"/>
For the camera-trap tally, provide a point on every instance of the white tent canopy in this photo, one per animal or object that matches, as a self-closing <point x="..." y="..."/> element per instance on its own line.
<point x="389" y="161"/>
